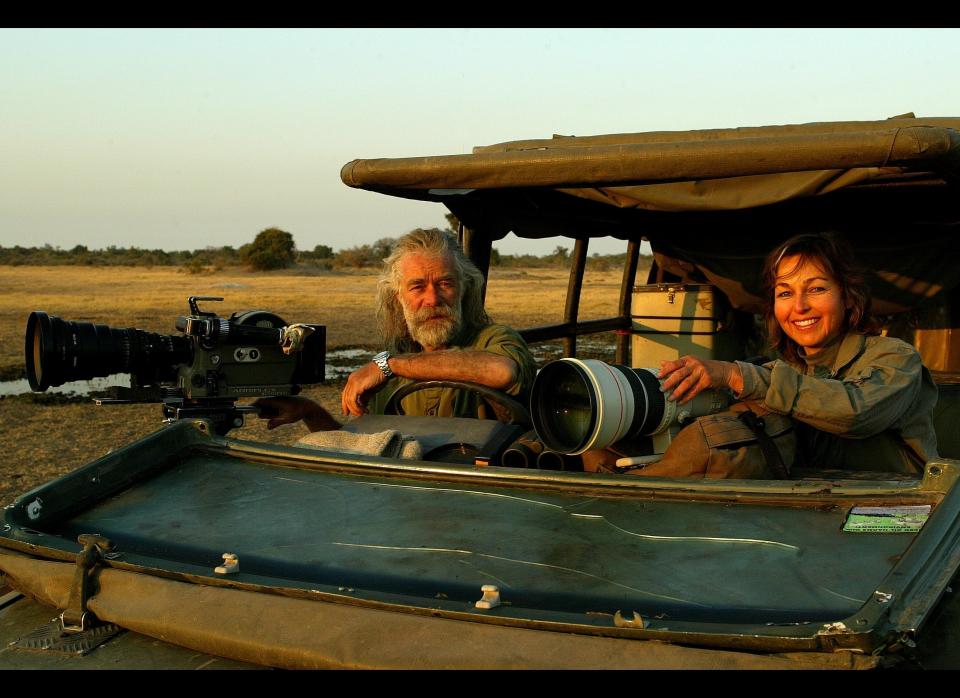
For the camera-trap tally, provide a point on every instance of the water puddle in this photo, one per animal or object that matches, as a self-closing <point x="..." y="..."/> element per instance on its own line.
<point x="342" y="362"/>
<point x="349" y="353"/>
<point x="600" y="349"/>
<point x="95" y="385"/>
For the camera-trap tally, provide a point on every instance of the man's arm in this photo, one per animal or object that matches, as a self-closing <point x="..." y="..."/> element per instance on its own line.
<point x="486" y="368"/>
<point x="873" y="396"/>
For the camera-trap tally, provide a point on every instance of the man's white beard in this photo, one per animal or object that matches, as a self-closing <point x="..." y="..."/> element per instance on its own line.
<point x="433" y="333"/>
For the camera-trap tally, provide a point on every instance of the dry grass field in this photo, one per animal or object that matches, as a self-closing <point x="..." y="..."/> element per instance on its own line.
<point x="151" y="299"/>
<point x="41" y="439"/>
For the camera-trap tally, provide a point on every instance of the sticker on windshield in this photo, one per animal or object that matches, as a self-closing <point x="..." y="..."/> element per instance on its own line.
<point x="903" y="519"/>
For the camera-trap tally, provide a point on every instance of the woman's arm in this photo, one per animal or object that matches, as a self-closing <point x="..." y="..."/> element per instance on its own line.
<point x="874" y="394"/>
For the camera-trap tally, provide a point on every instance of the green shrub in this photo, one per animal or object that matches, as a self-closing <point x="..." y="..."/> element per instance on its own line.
<point x="271" y="249"/>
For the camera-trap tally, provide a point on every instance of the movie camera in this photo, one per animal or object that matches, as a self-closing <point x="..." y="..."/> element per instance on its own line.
<point x="198" y="373"/>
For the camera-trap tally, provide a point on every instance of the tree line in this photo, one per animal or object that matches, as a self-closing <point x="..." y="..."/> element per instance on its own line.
<point x="271" y="249"/>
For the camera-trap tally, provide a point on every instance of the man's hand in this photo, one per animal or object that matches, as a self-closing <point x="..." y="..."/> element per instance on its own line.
<point x="365" y="380"/>
<point x="288" y="410"/>
<point x="688" y="376"/>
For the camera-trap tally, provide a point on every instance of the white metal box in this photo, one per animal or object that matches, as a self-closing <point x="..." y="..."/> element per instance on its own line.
<point x="674" y="320"/>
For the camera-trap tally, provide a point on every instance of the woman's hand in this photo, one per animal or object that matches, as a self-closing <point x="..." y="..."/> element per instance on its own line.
<point x="688" y="376"/>
<point x="289" y="410"/>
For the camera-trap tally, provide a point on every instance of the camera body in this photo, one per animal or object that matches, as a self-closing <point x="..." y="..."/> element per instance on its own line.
<point x="200" y="372"/>
<point x="243" y="356"/>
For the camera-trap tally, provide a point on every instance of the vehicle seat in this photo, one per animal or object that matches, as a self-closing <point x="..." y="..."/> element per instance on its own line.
<point x="946" y="415"/>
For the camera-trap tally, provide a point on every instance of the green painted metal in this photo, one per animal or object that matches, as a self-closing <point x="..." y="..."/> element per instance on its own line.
<point x="739" y="564"/>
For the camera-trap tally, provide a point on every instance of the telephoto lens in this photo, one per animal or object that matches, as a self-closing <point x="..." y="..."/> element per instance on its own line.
<point x="578" y="406"/>
<point x="58" y="351"/>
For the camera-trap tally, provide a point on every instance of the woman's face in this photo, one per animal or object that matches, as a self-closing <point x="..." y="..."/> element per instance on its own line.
<point x="808" y="304"/>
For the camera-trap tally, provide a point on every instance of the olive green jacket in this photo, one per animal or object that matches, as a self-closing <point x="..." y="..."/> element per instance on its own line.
<point x="448" y="402"/>
<point x="862" y="403"/>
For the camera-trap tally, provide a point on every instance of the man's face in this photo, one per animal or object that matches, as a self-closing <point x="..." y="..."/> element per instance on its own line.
<point x="430" y="295"/>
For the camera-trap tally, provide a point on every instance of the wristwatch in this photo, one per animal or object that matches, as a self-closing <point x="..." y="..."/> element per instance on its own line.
<point x="381" y="360"/>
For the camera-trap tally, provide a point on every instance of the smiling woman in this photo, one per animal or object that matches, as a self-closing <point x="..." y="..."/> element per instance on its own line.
<point x="808" y="304"/>
<point x="817" y="293"/>
<point x="859" y="400"/>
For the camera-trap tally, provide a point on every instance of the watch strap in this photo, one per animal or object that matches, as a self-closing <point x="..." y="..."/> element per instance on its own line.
<point x="382" y="362"/>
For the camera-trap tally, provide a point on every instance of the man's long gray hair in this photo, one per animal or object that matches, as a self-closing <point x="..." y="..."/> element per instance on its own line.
<point x="433" y="242"/>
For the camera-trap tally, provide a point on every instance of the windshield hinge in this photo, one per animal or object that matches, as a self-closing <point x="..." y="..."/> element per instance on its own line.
<point x="75" y="617"/>
<point x="77" y="631"/>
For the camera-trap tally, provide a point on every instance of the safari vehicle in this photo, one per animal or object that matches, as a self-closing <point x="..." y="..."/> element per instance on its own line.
<point x="459" y="560"/>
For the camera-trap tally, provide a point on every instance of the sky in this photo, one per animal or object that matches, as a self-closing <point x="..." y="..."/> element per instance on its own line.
<point x="184" y="139"/>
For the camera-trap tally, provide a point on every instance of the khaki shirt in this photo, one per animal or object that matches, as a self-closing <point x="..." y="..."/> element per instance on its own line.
<point x="862" y="403"/>
<point x="448" y="402"/>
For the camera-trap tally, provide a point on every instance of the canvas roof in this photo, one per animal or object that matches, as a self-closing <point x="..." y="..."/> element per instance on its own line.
<point x="717" y="199"/>
<point x="719" y="169"/>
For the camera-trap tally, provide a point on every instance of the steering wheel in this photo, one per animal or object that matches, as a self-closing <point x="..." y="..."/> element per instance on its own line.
<point x="517" y="412"/>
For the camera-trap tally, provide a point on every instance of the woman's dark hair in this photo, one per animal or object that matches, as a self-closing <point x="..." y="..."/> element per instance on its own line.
<point x="834" y="256"/>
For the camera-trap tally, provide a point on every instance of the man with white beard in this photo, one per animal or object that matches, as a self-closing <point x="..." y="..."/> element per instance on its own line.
<point x="431" y="317"/>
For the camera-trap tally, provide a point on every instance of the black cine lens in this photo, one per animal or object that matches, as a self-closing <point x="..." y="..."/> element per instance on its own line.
<point x="58" y="351"/>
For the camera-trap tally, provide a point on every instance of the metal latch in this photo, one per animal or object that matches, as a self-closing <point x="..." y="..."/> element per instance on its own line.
<point x="75" y="617"/>
<point x="635" y="622"/>
<point x="491" y="597"/>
